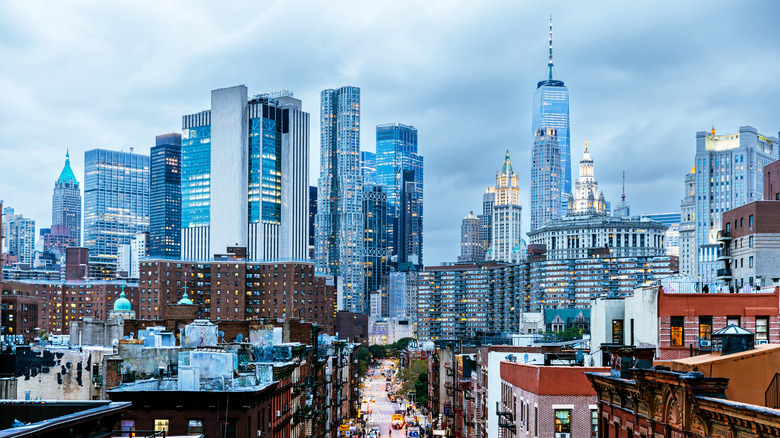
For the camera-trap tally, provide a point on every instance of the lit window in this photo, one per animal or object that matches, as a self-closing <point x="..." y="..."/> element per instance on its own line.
<point x="161" y="425"/>
<point x="562" y="421"/>
<point x="676" y="335"/>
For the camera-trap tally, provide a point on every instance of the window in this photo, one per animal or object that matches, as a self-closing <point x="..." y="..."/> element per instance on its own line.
<point x="161" y="425"/>
<point x="127" y="426"/>
<point x="705" y="329"/>
<point x="562" y="422"/>
<point x="750" y="221"/>
<point x="676" y="334"/>
<point x="195" y="426"/>
<point x="750" y="262"/>
<point x="732" y="320"/>
<point x="762" y="328"/>
<point x="594" y="422"/>
<point x="617" y="331"/>
<point x="750" y="241"/>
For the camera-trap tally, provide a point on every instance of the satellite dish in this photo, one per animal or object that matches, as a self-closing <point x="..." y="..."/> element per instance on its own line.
<point x="240" y="337"/>
<point x="221" y="334"/>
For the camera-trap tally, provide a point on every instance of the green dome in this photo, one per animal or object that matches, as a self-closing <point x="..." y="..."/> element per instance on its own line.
<point x="122" y="304"/>
<point x="185" y="299"/>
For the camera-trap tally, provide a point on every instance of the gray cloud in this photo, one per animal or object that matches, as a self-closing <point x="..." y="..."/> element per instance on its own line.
<point x="643" y="79"/>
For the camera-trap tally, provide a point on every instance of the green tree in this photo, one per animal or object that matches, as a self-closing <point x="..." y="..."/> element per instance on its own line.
<point x="421" y="389"/>
<point x="411" y="375"/>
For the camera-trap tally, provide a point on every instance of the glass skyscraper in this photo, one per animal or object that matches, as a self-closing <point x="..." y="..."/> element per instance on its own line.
<point x="116" y="205"/>
<point x="244" y="170"/>
<point x="400" y="168"/>
<point x="545" y="178"/>
<point x="165" y="197"/>
<point x="375" y="242"/>
<point x="339" y="245"/>
<point x="551" y="110"/>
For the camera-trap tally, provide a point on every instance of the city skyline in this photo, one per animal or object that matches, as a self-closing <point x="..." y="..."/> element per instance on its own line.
<point x="643" y="81"/>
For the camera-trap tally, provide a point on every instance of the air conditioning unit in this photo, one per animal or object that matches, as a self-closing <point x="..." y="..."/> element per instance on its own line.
<point x="704" y="343"/>
<point x="278" y="413"/>
<point x="562" y="435"/>
<point x="761" y="342"/>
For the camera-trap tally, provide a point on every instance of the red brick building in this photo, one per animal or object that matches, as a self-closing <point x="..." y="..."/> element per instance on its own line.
<point x="546" y="401"/>
<point x="20" y="316"/>
<point x="65" y="301"/>
<point x="233" y="289"/>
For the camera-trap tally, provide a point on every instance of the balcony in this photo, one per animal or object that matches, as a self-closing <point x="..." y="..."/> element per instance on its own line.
<point x="724" y="236"/>
<point x="724" y="274"/>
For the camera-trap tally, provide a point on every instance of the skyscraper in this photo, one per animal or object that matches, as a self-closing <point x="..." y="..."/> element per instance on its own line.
<point x="486" y="220"/>
<point x="551" y="110"/>
<point x="728" y="174"/>
<point x="165" y="197"/>
<point x="400" y="168"/>
<point x="375" y="243"/>
<point x="65" y="211"/>
<point x="312" y="219"/>
<point x="545" y="178"/>
<point x="507" y="244"/>
<point x="245" y="176"/>
<point x="339" y="246"/>
<point x="471" y="249"/>
<point x="368" y="167"/>
<point x="18" y="236"/>
<point x="116" y="205"/>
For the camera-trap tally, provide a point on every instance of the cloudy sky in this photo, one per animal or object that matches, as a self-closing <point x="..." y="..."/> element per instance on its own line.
<point x="643" y="77"/>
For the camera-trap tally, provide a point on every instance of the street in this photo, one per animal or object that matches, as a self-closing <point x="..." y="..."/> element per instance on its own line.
<point x="377" y="401"/>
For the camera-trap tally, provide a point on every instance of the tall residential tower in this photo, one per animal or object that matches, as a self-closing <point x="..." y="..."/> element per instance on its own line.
<point x="339" y="244"/>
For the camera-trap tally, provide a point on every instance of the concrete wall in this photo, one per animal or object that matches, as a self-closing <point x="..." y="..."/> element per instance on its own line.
<point x="91" y="331"/>
<point x="61" y="374"/>
<point x="143" y="361"/>
<point x="602" y="312"/>
<point x="642" y="308"/>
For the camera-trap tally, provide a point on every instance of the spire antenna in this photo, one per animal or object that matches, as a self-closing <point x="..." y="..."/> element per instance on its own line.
<point x="623" y="197"/>
<point x="550" y="63"/>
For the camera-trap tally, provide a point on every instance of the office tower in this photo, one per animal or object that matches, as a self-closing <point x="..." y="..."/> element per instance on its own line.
<point x="728" y="174"/>
<point x="486" y="220"/>
<point x="672" y="234"/>
<point x="471" y="249"/>
<point x="551" y="110"/>
<point x="65" y="212"/>
<point x="688" y="246"/>
<point x="586" y="198"/>
<point x="339" y="245"/>
<point x="312" y="219"/>
<point x="623" y="208"/>
<point x="368" y="167"/>
<point x="375" y="243"/>
<point x="116" y="205"/>
<point x="400" y="168"/>
<point x="165" y="197"/>
<point x="507" y="244"/>
<point x="245" y="176"/>
<point x="545" y="178"/>
<point x="18" y="236"/>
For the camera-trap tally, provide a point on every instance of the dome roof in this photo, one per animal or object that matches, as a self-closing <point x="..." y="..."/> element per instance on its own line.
<point x="185" y="299"/>
<point x="122" y="304"/>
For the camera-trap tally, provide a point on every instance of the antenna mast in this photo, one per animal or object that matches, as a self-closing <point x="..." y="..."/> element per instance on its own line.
<point x="623" y="198"/>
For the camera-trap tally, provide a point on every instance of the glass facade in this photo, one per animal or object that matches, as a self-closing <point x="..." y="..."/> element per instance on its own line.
<point x="195" y="176"/>
<point x="165" y="197"/>
<point x="116" y="203"/>
<point x="265" y="167"/>
<point x="551" y="110"/>
<point x="400" y="168"/>
<point x="339" y="243"/>
<point x="545" y="178"/>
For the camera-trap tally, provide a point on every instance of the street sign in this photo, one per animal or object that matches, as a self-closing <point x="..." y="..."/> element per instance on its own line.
<point x="414" y="432"/>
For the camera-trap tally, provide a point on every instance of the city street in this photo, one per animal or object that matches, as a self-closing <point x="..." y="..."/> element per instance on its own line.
<point x="378" y="401"/>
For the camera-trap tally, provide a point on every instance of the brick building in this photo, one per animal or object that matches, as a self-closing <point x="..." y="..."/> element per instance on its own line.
<point x="20" y="316"/>
<point x="680" y="324"/>
<point x="635" y="399"/>
<point x="236" y="289"/>
<point x="750" y="246"/>
<point x="70" y="300"/>
<point x="546" y="401"/>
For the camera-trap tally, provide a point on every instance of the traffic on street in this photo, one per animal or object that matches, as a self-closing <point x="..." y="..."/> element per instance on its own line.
<point x="383" y="413"/>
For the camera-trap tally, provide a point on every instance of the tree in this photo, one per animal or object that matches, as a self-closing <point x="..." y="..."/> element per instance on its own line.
<point x="421" y="389"/>
<point x="411" y="375"/>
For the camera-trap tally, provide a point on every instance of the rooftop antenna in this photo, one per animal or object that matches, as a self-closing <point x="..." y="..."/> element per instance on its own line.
<point x="623" y="198"/>
<point x="550" y="63"/>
